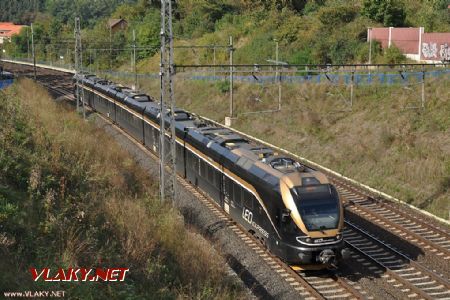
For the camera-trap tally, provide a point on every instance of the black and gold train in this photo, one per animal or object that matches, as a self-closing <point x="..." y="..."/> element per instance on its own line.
<point x="292" y="209"/>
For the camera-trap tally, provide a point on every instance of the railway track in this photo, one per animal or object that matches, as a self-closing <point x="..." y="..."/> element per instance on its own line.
<point x="396" y="268"/>
<point x="324" y="286"/>
<point x="331" y="287"/>
<point x="303" y="284"/>
<point x="433" y="239"/>
<point x="413" y="279"/>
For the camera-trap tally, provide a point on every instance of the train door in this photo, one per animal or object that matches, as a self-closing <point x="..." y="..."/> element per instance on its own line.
<point x="185" y="157"/>
<point x="155" y="145"/>
<point x="226" y="190"/>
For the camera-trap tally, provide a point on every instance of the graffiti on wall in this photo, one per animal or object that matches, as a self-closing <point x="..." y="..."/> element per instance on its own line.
<point x="445" y="52"/>
<point x="432" y="51"/>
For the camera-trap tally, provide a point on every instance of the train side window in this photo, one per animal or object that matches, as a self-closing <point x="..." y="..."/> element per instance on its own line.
<point x="179" y="151"/>
<point x="237" y="190"/>
<point x="210" y="174"/>
<point x="203" y="171"/>
<point x="247" y="199"/>
<point x="217" y="175"/>
<point x="155" y="133"/>
<point x="189" y="160"/>
<point x="228" y="187"/>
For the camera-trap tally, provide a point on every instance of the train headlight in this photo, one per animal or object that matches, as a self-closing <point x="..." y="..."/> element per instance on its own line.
<point x="338" y="237"/>
<point x="308" y="240"/>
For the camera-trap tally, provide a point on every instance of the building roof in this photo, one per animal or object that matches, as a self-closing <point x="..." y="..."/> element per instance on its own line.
<point x="8" y="29"/>
<point x="114" y="22"/>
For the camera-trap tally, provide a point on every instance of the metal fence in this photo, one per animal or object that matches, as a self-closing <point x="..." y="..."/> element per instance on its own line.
<point x="380" y="78"/>
<point x="5" y="83"/>
<point x="360" y="77"/>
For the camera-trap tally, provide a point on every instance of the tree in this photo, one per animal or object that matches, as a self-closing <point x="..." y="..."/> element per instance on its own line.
<point x="336" y="15"/>
<point x="296" y="5"/>
<point x="440" y="4"/>
<point x="312" y="6"/>
<point x="388" y="12"/>
<point x="20" y="11"/>
<point x="200" y="16"/>
<point x="148" y="33"/>
<point x="21" y="41"/>
<point x="89" y="11"/>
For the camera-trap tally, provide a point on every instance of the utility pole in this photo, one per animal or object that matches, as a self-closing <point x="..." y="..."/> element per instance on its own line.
<point x="278" y="75"/>
<point x="28" y="44"/>
<point x="134" y="61"/>
<point x="33" y="52"/>
<point x="370" y="45"/>
<point x="110" y="47"/>
<point x="231" y="79"/>
<point x="96" y="61"/>
<point x="77" y="72"/>
<point x="352" y="84"/>
<point x="79" y="66"/>
<point x="423" y="87"/>
<point x="167" y="181"/>
<point x="214" y="60"/>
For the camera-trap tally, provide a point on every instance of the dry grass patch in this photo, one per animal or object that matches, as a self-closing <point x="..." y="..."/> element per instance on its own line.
<point x="87" y="203"/>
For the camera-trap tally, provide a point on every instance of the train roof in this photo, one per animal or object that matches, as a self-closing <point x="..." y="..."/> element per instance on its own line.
<point x="6" y="75"/>
<point x="263" y="162"/>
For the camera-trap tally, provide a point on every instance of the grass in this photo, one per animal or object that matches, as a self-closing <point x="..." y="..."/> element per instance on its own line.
<point x="70" y="196"/>
<point x="386" y="141"/>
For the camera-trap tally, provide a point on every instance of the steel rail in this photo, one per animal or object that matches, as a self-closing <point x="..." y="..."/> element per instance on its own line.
<point x="422" y="269"/>
<point x="361" y="208"/>
<point x="303" y="287"/>
<point x="394" y="249"/>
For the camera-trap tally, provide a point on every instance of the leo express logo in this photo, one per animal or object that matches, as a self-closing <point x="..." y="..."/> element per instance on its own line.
<point x="79" y="274"/>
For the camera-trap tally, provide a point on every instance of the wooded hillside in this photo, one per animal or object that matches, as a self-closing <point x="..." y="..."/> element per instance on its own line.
<point x="314" y="31"/>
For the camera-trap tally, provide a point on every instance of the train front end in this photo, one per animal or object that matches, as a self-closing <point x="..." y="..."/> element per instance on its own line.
<point x="311" y="222"/>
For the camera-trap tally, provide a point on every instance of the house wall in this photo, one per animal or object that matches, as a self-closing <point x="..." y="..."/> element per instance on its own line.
<point x="406" y="39"/>
<point x="435" y="46"/>
<point x="413" y="42"/>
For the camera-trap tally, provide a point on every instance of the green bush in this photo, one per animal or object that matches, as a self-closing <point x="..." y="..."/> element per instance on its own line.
<point x="362" y="53"/>
<point x="393" y="55"/>
<point x="8" y="210"/>
<point x="335" y="15"/>
<point x="302" y="57"/>
<point x="390" y="13"/>
<point x="223" y="86"/>
<point x="260" y="48"/>
<point x="201" y="17"/>
<point x="312" y="6"/>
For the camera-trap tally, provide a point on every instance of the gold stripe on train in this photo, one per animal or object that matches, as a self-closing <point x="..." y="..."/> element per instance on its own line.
<point x="217" y="166"/>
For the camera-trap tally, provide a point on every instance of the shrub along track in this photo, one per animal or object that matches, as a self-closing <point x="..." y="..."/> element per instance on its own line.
<point x="328" y="284"/>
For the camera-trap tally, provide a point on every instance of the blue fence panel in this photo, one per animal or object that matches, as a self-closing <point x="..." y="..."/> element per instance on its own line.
<point x="336" y="78"/>
<point x="5" y="83"/>
<point x="345" y="78"/>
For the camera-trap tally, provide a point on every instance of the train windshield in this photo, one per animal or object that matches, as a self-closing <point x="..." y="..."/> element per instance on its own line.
<point x="318" y="206"/>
